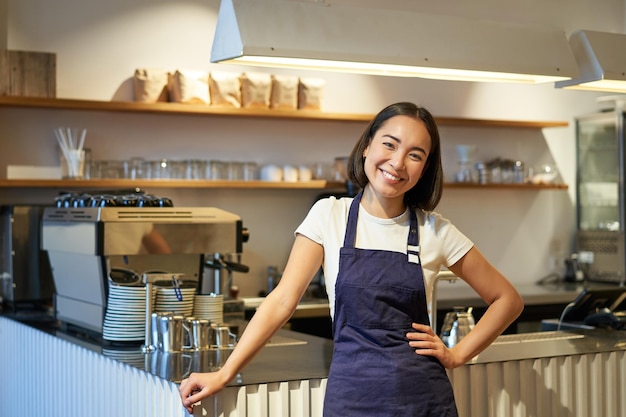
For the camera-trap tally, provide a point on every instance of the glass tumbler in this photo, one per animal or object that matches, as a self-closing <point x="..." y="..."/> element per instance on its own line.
<point x="235" y="171"/>
<point x="136" y="168"/>
<point x="194" y="169"/>
<point x="250" y="171"/>
<point x="219" y="170"/>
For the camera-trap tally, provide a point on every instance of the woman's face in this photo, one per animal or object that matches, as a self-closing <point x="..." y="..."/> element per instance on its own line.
<point x="396" y="156"/>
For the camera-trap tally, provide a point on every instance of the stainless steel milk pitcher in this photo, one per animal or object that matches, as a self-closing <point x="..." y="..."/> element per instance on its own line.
<point x="156" y="339"/>
<point x="171" y="330"/>
<point x="456" y="325"/>
<point x="199" y="333"/>
<point x="221" y="337"/>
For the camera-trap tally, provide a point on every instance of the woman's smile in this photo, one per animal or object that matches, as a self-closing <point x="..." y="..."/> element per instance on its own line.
<point x="390" y="176"/>
<point x="395" y="159"/>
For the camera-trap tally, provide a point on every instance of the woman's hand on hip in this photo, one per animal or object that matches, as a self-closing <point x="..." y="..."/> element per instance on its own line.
<point x="427" y="343"/>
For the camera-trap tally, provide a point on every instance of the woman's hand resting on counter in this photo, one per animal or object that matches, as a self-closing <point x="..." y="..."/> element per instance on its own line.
<point x="199" y="386"/>
<point x="275" y="310"/>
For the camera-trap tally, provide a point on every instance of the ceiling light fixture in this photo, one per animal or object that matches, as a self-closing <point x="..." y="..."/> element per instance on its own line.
<point x="323" y="36"/>
<point x="601" y="61"/>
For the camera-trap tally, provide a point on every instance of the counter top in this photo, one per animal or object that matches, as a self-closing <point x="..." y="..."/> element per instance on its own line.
<point x="548" y="344"/>
<point x="297" y="356"/>
<point x="288" y="355"/>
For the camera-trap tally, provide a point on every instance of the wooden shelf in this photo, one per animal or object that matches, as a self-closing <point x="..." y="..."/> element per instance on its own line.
<point x="195" y="109"/>
<point x="460" y="185"/>
<point x="205" y="110"/>
<point x="314" y="184"/>
<point x="128" y="183"/>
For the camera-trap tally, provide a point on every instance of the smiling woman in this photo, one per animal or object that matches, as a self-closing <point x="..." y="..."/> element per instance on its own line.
<point x="390" y="245"/>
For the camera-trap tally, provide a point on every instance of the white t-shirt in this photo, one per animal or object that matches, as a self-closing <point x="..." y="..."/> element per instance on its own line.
<point x="441" y="243"/>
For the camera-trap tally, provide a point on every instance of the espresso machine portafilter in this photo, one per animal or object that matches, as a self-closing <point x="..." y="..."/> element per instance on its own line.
<point x="85" y="244"/>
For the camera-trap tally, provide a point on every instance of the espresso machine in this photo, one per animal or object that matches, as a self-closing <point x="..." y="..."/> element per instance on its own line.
<point x="85" y="245"/>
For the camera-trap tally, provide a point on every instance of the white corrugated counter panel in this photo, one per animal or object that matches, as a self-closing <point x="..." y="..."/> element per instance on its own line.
<point x="43" y="375"/>
<point x="586" y="385"/>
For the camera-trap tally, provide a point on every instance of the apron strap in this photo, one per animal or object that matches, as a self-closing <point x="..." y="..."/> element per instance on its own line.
<point x="353" y="216"/>
<point x="413" y="248"/>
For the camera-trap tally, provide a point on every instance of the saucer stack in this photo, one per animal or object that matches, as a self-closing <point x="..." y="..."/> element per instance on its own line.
<point x="125" y="316"/>
<point x="210" y="307"/>
<point x="167" y="300"/>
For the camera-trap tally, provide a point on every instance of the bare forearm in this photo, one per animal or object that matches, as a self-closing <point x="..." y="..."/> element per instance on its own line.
<point x="500" y="314"/>
<point x="505" y="304"/>
<point x="271" y="315"/>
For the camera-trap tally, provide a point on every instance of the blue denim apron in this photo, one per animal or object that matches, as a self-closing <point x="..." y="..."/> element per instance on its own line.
<point x="374" y="371"/>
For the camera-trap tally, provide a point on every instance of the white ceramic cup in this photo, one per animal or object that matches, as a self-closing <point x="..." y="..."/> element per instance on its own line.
<point x="271" y="173"/>
<point x="290" y="173"/>
<point x="305" y="173"/>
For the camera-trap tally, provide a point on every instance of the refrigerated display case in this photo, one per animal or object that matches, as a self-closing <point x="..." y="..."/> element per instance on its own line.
<point x="601" y="152"/>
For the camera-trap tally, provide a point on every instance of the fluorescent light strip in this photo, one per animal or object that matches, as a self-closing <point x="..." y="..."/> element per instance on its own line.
<point x="602" y="85"/>
<point x="392" y="70"/>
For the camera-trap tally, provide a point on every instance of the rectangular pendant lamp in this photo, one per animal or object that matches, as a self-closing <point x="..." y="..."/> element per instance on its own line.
<point x="601" y="58"/>
<point x="321" y="36"/>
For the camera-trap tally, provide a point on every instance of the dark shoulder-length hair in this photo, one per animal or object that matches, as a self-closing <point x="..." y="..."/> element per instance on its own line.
<point x="427" y="192"/>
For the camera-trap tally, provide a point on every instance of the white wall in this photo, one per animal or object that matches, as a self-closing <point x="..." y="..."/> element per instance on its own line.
<point x="99" y="45"/>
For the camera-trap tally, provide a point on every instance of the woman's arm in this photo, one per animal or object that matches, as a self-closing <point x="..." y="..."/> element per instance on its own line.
<point x="505" y="305"/>
<point x="277" y="308"/>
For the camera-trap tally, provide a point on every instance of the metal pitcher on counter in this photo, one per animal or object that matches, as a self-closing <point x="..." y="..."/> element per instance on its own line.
<point x="456" y="325"/>
<point x="172" y="330"/>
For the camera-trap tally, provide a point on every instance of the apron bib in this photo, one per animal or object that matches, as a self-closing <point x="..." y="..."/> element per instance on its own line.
<point x="374" y="371"/>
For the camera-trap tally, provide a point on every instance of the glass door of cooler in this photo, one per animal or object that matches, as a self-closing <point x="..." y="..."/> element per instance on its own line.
<point x="600" y="195"/>
<point x="600" y="150"/>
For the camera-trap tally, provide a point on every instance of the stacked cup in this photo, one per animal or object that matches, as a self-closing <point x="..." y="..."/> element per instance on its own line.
<point x="210" y="307"/>
<point x="169" y="299"/>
